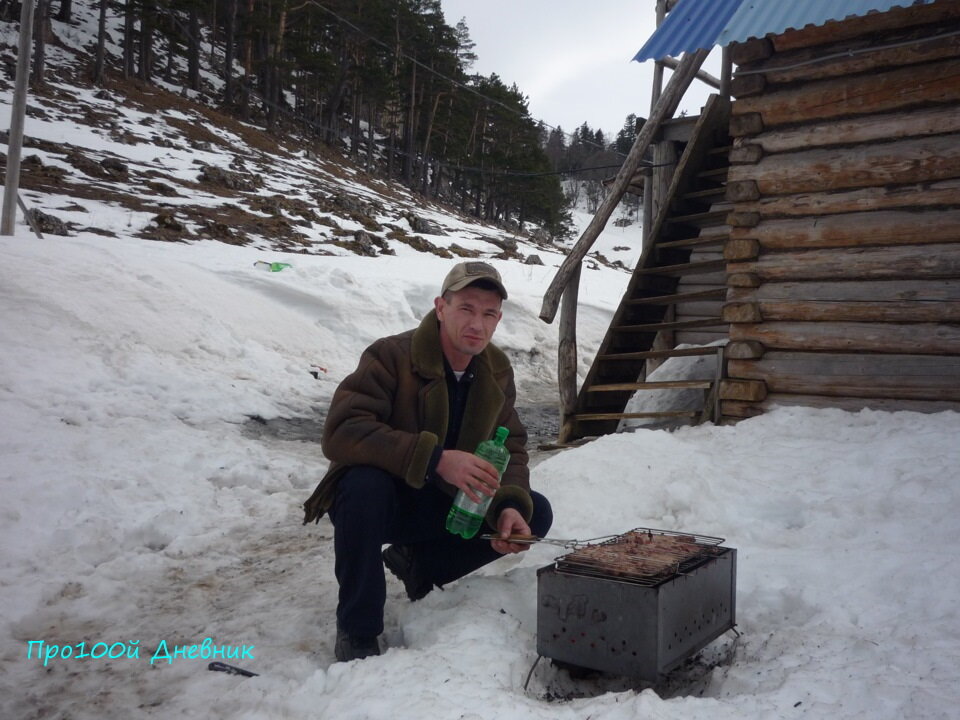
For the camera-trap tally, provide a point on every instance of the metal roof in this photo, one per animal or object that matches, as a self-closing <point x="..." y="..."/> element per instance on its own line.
<point x="695" y="24"/>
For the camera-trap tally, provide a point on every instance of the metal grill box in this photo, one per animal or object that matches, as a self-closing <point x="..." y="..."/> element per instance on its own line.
<point x="634" y="629"/>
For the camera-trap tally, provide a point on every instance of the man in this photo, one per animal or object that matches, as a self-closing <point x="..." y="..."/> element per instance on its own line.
<point x="400" y="435"/>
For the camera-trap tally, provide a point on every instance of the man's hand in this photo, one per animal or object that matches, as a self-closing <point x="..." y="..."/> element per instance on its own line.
<point x="509" y="523"/>
<point x="467" y="472"/>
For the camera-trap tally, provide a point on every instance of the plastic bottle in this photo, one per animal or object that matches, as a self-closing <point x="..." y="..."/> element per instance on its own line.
<point x="466" y="516"/>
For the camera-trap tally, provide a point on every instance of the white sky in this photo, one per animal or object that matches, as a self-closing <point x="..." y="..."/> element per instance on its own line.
<point x="571" y="59"/>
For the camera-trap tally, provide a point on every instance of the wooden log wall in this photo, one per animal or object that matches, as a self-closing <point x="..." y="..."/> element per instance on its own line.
<point x="843" y="269"/>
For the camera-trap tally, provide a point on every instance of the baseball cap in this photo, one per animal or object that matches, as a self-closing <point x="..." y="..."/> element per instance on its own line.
<point x="467" y="273"/>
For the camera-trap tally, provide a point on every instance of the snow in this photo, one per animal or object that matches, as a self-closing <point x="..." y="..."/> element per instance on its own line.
<point x="160" y="417"/>
<point x="139" y="505"/>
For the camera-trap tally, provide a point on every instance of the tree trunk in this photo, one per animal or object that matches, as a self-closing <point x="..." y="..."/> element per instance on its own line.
<point x="128" y="18"/>
<point x="229" y="47"/>
<point x="193" y="50"/>
<point x="66" y="11"/>
<point x="146" y="43"/>
<point x="101" y="42"/>
<point x="41" y="25"/>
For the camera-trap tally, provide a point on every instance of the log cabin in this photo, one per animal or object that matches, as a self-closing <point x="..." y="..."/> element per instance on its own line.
<point x="805" y="228"/>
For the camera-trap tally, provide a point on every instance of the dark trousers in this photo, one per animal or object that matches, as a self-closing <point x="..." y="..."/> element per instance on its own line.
<point x="373" y="508"/>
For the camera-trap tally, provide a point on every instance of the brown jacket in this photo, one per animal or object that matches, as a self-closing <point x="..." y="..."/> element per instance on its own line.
<point x="391" y="412"/>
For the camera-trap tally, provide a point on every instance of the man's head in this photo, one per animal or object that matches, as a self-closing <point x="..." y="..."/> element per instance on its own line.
<point x="473" y="273"/>
<point x="468" y="310"/>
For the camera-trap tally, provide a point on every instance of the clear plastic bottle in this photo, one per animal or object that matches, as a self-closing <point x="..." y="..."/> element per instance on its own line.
<point x="466" y="516"/>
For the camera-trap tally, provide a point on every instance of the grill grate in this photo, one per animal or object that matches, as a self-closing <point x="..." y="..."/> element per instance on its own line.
<point x="644" y="556"/>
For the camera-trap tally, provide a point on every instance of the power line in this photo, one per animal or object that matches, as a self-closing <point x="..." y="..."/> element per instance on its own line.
<point x="453" y="81"/>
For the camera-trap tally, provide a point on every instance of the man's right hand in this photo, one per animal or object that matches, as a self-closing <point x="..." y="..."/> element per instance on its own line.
<point x="467" y="472"/>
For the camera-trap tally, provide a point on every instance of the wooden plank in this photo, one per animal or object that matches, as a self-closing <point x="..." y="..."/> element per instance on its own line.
<point x="866" y="53"/>
<point x="706" y="336"/>
<point x="907" y="161"/>
<point x="854" y="131"/>
<point x="884" y="227"/>
<point x="703" y="309"/>
<point x="587" y="417"/>
<point x="851" y="404"/>
<point x="567" y="355"/>
<point x="904" y="311"/>
<point x="893" y="19"/>
<point x="919" y="338"/>
<point x="660" y="385"/>
<point x="682" y="268"/>
<point x="884" y="263"/>
<point x="749" y="350"/>
<point x="717" y="293"/>
<point x="852" y="291"/>
<point x="899" y="89"/>
<point x="656" y="327"/>
<point x="853" y="374"/>
<point x="750" y="390"/>
<point x="911" y="195"/>
<point x="667" y="353"/>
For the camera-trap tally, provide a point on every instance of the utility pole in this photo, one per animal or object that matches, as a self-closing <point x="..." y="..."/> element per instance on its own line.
<point x="17" y="113"/>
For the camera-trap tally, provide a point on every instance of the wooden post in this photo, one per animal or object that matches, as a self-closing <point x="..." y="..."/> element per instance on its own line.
<point x="665" y="107"/>
<point x="656" y="90"/>
<point x="17" y="113"/>
<point x="567" y="356"/>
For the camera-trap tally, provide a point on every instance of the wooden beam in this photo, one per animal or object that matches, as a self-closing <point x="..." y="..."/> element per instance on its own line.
<point x="925" y="159"/>
<point x="883" y="263"/>
<point x="854" y="374"/>
<point x="894" y="19"/>
<point x="567" y="356"/>
<point x="910" y="338"/>
<point x="884" y="227"/>
<point x="853" y="404"/>
<point x="863" y="54"/>
<point x="750" y="390"/>
<point x="905" y="311"/>
<point x="854" y="131"/>
<point x="899" y="89"/>
<point x="660" y="385"/>
<point x="913" y="196"/>
<point x="702" y="75"/>
<point x="664" y="108"/>
<point x="920" y="292"/>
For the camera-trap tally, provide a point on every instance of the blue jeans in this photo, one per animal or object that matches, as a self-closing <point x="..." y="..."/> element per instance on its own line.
<point x="373" y="508"/>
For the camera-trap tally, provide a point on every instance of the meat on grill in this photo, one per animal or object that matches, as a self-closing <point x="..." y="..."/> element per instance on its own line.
<point x="638" y="554"/>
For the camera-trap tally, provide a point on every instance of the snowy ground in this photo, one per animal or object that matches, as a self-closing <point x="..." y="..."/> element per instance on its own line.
<point x="142" y="504"/>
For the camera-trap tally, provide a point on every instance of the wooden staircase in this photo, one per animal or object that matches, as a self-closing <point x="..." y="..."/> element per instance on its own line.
<point x="674" y="297"/>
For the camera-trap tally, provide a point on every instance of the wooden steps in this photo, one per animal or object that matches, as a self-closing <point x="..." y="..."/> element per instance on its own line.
<point x="677" y="290"/>
<point x="660" y="385"/>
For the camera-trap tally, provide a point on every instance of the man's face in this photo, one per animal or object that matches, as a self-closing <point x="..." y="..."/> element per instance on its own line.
<point x="468" y="319"/>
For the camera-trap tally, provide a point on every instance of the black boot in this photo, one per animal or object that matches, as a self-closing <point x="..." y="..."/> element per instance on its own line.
<point x="353" y="647"/>
<point x="400" y="561"/>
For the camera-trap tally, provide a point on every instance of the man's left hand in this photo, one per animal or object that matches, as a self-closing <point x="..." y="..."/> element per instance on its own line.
<point x="509" y="523"/>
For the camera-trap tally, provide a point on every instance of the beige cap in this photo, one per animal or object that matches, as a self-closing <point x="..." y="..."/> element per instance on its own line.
<point x="467" y="273"/>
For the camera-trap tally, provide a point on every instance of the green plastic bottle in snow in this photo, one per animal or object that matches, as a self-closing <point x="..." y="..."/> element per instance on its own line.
<point x="466" y="516"/>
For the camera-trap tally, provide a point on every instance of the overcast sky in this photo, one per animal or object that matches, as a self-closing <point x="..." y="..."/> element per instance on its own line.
<point x="571" y="58"/>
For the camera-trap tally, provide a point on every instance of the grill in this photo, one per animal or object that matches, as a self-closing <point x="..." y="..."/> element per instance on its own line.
<point x="637" y="604"/>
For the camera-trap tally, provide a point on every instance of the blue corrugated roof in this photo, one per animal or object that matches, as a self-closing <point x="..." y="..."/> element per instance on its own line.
<point x="691" y="25"/>
<point x="695" y="24"/>
<point x="756" y="18"/>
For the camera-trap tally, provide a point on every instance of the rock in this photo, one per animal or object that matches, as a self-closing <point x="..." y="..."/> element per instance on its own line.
<point x="533" y="260"/>
<point x="114" y="167"/>
<point x="422" y="225"/>
<point x="224" y="178"/>
<point x="166" y="220"/>
<point x="47" y="223"/>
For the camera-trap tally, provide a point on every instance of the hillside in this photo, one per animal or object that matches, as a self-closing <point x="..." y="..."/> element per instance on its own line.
<point x="158" y="162"/>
